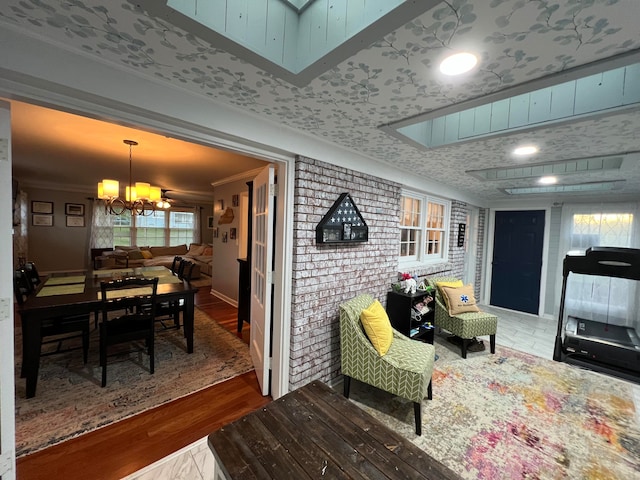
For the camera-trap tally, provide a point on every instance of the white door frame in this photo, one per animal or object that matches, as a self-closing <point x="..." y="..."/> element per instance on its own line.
<point x="284" y="205"/>
<point x="262" y="217"/>
<point x="490" y="221"/>
<point x="7" y="382"/>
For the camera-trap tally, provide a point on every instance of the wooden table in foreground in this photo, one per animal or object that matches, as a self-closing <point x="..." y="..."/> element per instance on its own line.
<point x="314" y="432"/>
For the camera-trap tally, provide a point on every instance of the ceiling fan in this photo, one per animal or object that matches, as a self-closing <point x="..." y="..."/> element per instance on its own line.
<point x="165" y="202"/>
<point x="184" y="197"/>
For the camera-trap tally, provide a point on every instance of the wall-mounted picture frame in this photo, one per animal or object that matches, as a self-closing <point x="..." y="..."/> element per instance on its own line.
<point x="75" y="221"/>
<point x="232" y="233"/>
<point x="209" y="222"/>
<point x="235" y="201"/>
<point x="40" y="220"/>
<point x="74" y="209"/>
<point x="220" y="204"/>
<point x="216" y="232"/>
<point x="224" y="237"/>
<point x="41" y="207"/>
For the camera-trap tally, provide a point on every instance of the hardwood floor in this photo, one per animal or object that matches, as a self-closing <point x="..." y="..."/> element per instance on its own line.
<point x="122" y="448"/>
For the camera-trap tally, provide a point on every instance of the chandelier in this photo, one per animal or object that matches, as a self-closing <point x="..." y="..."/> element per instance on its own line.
<point x="140" y="198"/>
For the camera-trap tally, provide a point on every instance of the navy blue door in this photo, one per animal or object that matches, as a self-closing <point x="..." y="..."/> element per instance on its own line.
<point x="517" y="260"/>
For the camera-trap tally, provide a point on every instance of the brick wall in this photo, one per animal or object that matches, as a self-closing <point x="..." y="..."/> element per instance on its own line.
<point x="326" y="275"/>
<point x="482" y="215"/>
<point x="459" y="213"/>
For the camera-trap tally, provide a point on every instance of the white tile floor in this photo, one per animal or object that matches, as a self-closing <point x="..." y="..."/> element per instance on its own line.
<point x="523" y="332"/>
<point x="194" y="462"/>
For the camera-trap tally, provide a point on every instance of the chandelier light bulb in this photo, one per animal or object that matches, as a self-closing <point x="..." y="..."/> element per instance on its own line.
<point x="140" y="198"/>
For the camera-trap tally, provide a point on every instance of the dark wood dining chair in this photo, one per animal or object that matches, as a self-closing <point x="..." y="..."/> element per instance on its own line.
<point x="56" y="330"/>
<point x="172" y="309"/>
<point x="134" y="301"/>
<point x="185" y="271"/>
<point x="32" y="274"/>
<point x="175" y="265"/>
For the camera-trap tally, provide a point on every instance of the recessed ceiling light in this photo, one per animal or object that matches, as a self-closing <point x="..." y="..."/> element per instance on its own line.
<point x="458" y="63"/>
<point x="525" y="150"/>
<point x="548" y="180"/>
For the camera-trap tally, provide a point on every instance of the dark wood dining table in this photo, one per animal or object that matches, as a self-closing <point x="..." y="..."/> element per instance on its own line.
<point x="83" y="297"/>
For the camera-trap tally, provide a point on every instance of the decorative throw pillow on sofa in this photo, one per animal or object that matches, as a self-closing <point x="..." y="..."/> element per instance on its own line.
<point x="195" y="250"/>
<point x="135" y="255"/>
<point x="454" y="283"/>
<point x="146" y="254"/>
<point x="377" y="327"/>
<point x="460" y="299"/>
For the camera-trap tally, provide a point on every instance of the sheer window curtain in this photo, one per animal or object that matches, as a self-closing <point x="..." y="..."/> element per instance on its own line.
<point x="20" y="235"/>
<point x="605" y="299"/>
<point x="197" y="225"/>
<point x="101" y="226"/>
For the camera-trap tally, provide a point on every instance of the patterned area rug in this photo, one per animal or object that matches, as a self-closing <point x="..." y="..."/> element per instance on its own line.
<point x="517" y="416"/>
<point x="69" y="400"/>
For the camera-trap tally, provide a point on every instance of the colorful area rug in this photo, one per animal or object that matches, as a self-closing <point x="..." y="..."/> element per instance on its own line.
<point x="517" y="416"/>
<point x="69" y="400"/>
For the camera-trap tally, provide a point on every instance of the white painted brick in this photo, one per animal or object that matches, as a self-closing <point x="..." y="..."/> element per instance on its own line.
<point x="326" y="275"/>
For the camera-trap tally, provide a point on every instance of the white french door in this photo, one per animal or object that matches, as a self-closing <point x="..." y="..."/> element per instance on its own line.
<point x="261" y="275"/>
<point x="7" y="409"/>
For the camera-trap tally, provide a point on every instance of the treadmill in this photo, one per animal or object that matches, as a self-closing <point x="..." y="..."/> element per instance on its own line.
<point x="591" y="343"/>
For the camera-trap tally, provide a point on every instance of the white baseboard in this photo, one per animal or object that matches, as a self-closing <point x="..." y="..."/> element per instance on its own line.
<point x="224" y="298"/>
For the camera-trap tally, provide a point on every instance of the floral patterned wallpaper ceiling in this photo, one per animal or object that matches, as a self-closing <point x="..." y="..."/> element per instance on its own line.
<point x="392" y="79"/>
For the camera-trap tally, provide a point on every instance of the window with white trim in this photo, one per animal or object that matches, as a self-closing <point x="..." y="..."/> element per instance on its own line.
<point x="424" y="223"/>
<point x="161" y="228"/>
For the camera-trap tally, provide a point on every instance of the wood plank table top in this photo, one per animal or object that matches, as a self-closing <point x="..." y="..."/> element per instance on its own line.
<point x="314" y="432"/>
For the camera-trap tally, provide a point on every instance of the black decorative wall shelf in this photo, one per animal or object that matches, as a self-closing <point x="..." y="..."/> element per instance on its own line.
<point x="342" y="223"/>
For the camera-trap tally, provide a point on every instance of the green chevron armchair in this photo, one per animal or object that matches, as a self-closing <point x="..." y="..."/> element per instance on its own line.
<point x="405" y="370"/>
<point x="464" y="325"/>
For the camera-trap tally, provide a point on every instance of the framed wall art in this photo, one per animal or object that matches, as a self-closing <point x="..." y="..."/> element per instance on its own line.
<point x="42" y="207"/>
<point x="74" y="208"/>
<point x="40" y="220"/>
<point x="75" y="221"/>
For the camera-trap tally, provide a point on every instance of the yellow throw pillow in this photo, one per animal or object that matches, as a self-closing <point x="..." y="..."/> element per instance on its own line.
<point x="453" y="283"/>
<point x="460" y="299"/>
<point x="377" y="327"/>
<point x="146" y="254"/>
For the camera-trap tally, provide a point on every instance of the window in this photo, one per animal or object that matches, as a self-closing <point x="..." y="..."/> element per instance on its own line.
<point x="592" y="229"/>
<point x="160" y="228"/>
<point x="181" y="226"/>
<point x="122" y="229"/>
<point x="150" y="230"/>
<point x="410" y="228"/>
<point x="593" y="297"/>
<point x="423" y="226"/>
<point x="435" y="228"/>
